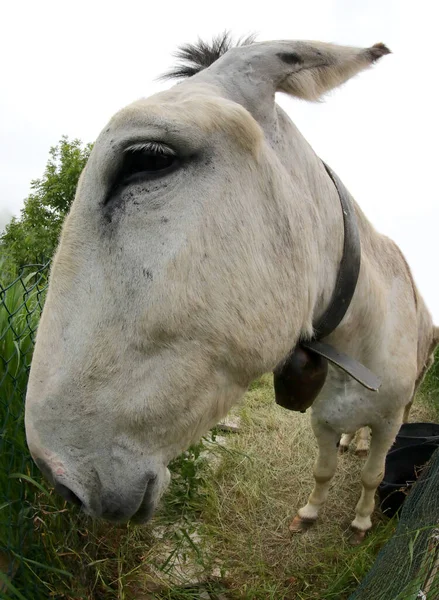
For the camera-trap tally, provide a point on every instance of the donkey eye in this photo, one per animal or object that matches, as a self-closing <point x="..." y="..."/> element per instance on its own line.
<point x="151" y="159"/>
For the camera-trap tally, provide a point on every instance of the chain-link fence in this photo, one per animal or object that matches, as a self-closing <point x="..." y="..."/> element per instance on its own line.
<point x="21" y="303"/>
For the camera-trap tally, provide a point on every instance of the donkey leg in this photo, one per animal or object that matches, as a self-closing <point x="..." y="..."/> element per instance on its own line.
<point x="324" y="470"/>
<point x="363" y="442"/>
<point x="346" y="439"/>
<point x="371" y="476"/>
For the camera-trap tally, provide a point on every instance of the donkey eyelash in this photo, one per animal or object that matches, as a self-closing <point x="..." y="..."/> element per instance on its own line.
<point x="153" y="147"/>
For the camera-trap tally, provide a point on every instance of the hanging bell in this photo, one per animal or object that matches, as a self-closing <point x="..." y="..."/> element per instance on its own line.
<point x="299" y="379"/>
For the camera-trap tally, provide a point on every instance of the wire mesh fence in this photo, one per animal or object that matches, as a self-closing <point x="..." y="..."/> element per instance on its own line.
<point x="21" y="302"/>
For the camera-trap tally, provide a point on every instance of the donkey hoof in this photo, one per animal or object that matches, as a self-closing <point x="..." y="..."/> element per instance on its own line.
<point x="299" y="525"/>
<point x="361" y="453"/>
<point x="356" y="536"/>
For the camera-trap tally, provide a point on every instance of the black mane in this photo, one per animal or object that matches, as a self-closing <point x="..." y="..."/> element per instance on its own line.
<point x="193" y="58"/>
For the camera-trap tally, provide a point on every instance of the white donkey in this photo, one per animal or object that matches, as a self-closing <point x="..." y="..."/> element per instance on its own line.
<point x="203" y="243"/>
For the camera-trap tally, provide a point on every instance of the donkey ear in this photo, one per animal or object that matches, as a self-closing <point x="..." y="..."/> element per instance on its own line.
<point x="303" y="69"/>
<point x="316" y="68"/>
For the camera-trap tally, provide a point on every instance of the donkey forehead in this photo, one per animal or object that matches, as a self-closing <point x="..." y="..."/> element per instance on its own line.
<point x="187" y="111"/>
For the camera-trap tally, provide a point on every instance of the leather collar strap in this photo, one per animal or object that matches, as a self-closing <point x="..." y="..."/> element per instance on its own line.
<point x="342" y="295"/>
<point x="348" y="364"/>
<point x="349" y="268"/>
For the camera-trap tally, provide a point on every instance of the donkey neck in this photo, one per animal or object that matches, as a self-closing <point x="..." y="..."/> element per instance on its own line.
<point x="318" y="196"/>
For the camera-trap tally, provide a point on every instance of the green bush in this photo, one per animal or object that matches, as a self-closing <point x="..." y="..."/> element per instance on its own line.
<point x="33" y="236"/>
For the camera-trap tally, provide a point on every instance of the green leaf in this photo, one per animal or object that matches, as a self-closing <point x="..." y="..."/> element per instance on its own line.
<point x="32" y="481"/>
<point x="46" y="567"/>
<point x="5" y="580"/>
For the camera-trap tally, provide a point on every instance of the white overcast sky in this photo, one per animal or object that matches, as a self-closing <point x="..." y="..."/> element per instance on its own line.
<point x="67" y="67"/>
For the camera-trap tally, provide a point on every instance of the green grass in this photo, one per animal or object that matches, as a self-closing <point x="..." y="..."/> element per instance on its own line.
<point x="250" y="496"/>
<point x="240" y="510"/>
<point x="429" y="392"/>
<point x="255" y="492"/>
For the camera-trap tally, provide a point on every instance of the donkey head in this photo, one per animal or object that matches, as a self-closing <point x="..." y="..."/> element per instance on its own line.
<point x="190" y="263"/>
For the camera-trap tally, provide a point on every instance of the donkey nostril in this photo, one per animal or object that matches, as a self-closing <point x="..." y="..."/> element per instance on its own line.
<point x="67" y="494"/>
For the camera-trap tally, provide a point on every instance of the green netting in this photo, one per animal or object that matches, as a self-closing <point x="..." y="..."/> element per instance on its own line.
<point x="20" y="307"/>
<point x="407" y="568"/>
